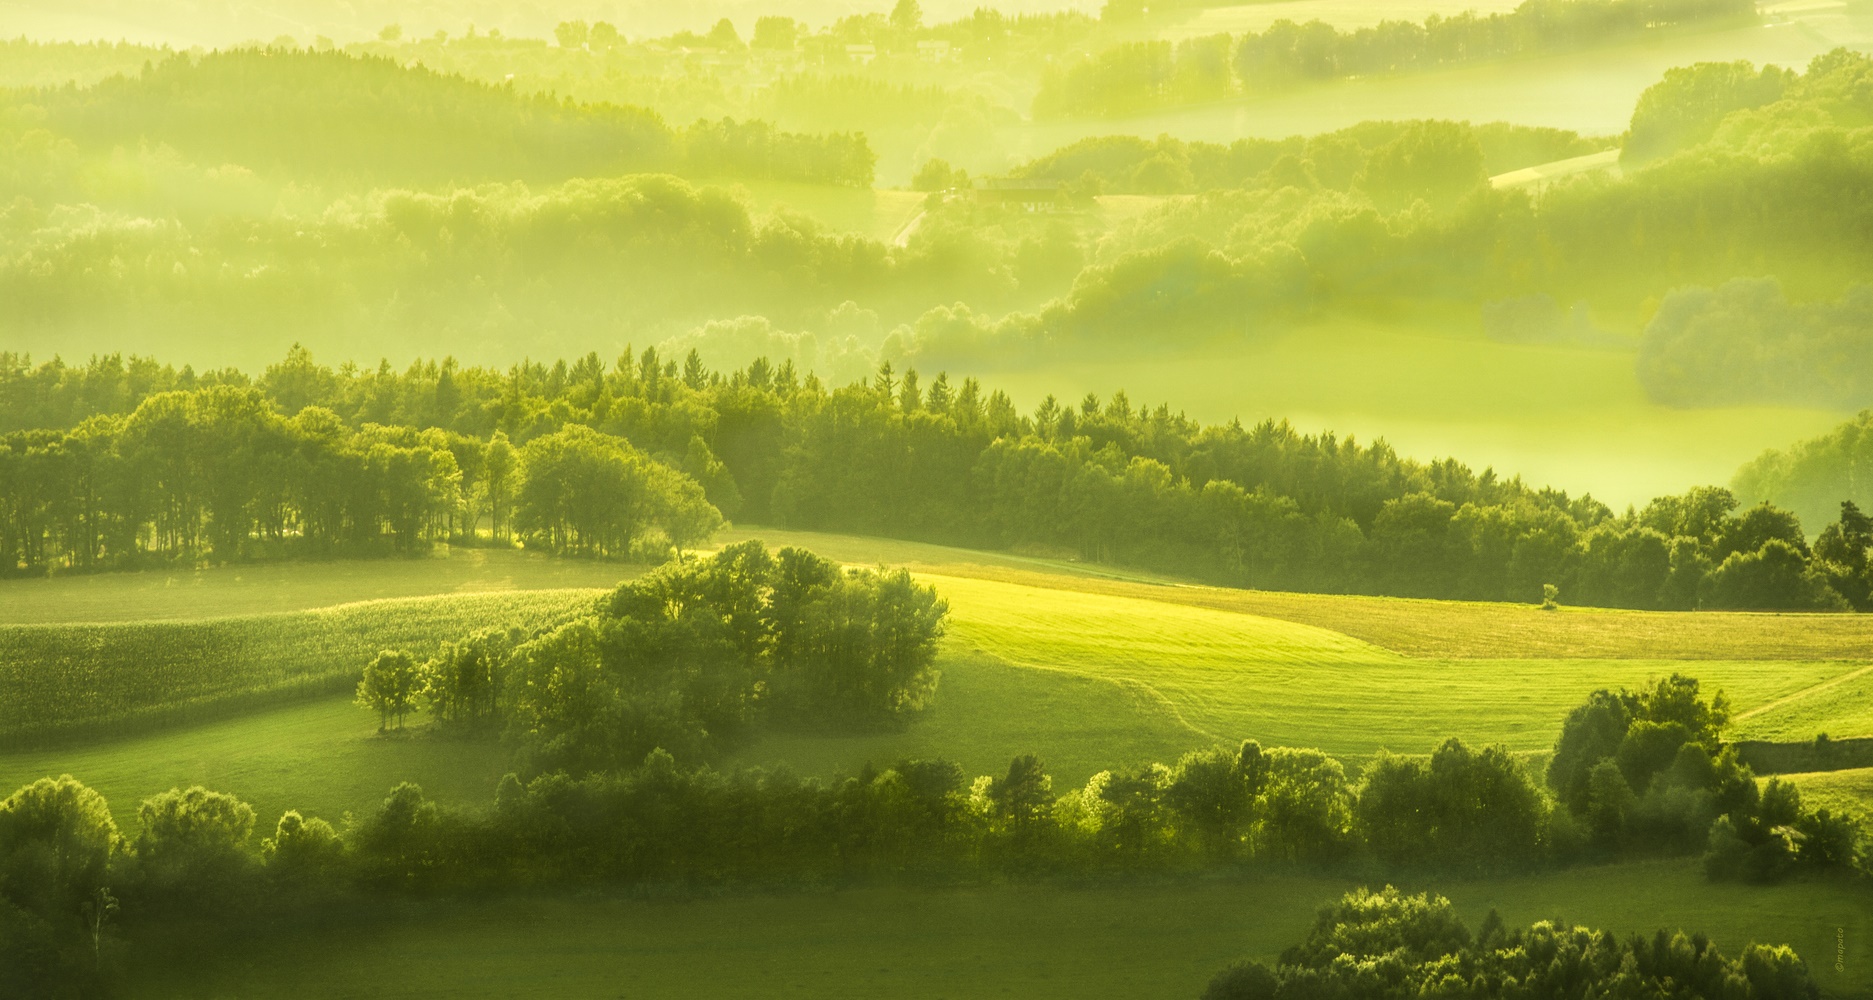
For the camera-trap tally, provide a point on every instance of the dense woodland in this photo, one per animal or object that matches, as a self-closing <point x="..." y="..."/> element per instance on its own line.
<point x="1142" y="75"/>
<point x="1634" y="774"/>
<point x="309" y="460"/>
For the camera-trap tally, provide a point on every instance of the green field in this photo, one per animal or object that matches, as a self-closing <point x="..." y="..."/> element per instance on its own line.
<point x="97" y="680"/>
<point x="1087" y="670"/>
<point x="1087" y="667"/>
<point x="265" y="588"/>
<point x="323" y="757"/>
<point x="1849" y="792"/>
<point x="1161" y="939"/>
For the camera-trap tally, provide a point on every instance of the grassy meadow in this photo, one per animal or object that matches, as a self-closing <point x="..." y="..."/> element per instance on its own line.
<point x="1034" y="940"/>
<point x="1088" y="670"/>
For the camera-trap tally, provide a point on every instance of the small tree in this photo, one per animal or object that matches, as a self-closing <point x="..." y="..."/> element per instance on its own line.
<point x="1550" y="597"/>
<point x="390" y="686"/>
<point x="572" y="34"/>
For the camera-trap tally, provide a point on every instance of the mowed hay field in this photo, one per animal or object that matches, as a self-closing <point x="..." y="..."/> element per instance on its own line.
<point x="1043" y="941"/>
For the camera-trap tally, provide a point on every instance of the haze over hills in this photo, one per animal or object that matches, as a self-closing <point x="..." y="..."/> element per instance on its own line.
<point x="920" y="500"/>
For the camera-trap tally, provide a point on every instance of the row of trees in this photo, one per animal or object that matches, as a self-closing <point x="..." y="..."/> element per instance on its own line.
<point x="219" y="473"/>
<point x="332" y="116"/>
<point x="1372" y="945"/>
<point x="1141" y="75"/>
<point x="688" y="658"/>
<point x="63" y="862"/>
<point x="1262" y="506"/>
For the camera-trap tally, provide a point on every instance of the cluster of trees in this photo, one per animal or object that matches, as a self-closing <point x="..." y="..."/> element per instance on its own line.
<point x="1386" y="944"/>
<point x="685" y="658"/>
<point x="1141" y="75"/>
<point x="220" y="473"/>
<point x="1744" y="343"/>
<point x="1461" y="809"/>
<point x="329" y="116"/>
<point x="1647" y="772"/>
<point x="1262" y="506"/>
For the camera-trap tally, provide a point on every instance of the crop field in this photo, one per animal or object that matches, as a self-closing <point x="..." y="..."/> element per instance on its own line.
<point x="102" y="679"/>
<point x="1036" y="940"/>
<point x="224" y="591"/>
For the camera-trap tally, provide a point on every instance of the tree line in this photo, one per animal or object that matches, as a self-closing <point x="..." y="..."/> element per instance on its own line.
<point x="1263" y="506"/>
<point x="1138" y="76"/>
<point x="1633" y="774"/>
<point x="328" y="116"/>
<point x="219" y="473"/>
<point x="1385" y="944"/>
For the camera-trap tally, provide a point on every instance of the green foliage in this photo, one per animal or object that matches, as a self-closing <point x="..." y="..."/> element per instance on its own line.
<point x="391" y="686"/>
<point x="1437" y="162"/>
<point x="57" y="846"/>
<point x="1684" y="109"/>
<point x="688" y="656"/>
<point x="1744" y="343"/>
<point x="589" y="493"/>
<point x="1459" y="809"/>
<point x="1389" y="944"/>
<point x="1264" y="506"/>
<point x="1140" y="75"/>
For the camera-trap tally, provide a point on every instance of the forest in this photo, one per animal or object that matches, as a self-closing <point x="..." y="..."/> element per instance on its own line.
<point x="594" y="459"/>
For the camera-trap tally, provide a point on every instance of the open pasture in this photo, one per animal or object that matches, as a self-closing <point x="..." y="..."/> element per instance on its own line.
<point x="1413" y="627"/>
<point x="99" y="680"/>
<point x="1042" y="941"/>
<point x="1232" y="676"/>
